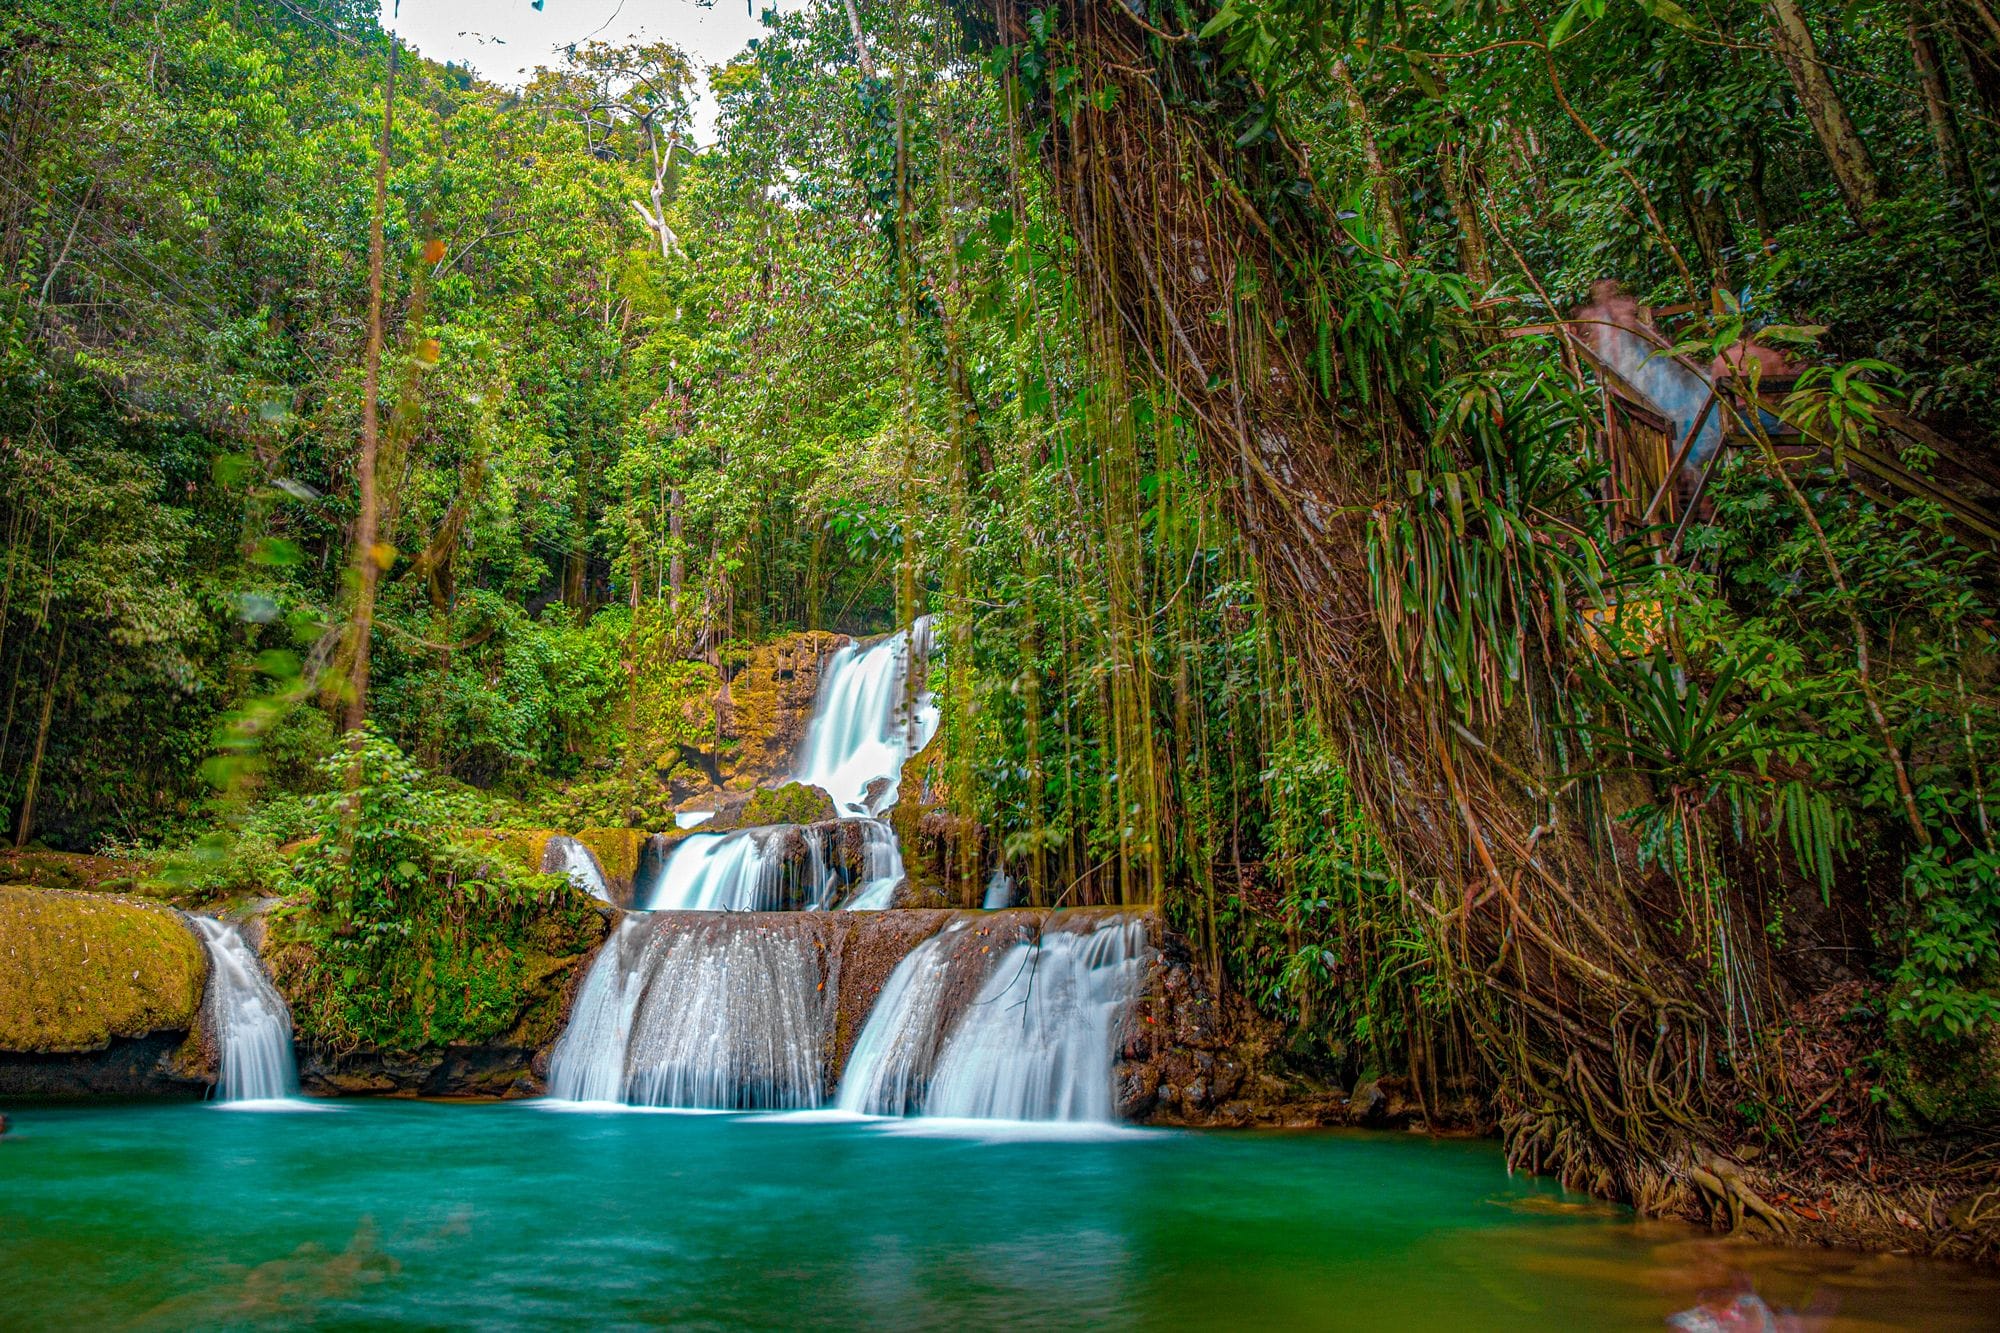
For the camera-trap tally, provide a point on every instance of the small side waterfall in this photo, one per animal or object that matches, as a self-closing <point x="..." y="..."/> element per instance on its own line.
<point x="714" y="1013"/>
<point x="881" y="868"/>
<point x="864" y="726"/>
<point x="999" y="890"/>
<point x="1037" y="1042"/>
<point x="251" y="1025"/>
<point x="565" y="855"/>
<point x="890" y="1065"/>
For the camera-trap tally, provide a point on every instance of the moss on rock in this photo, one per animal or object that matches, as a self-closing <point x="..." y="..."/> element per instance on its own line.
<point x="770" y="702"/>
<point x="793" y="803"/>
<point x="617" y="853"/>
<point x="79" y="969"/>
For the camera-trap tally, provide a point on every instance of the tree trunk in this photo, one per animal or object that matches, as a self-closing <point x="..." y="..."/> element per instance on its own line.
<point x="1937" y="101"/>
<point x="1853" y="171"/>
<point x="861" y="55"/>
<point x="1395" y="237"/>
<point x="1571" y="978"/>
<point x="26" y="827"/>
<point x="367" y="558"/>
<point x="1458" y="177"/>
<point x="676" y="569"/>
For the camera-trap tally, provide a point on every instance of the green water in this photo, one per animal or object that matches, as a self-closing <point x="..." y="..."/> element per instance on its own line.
<point x="519" y="1215"/>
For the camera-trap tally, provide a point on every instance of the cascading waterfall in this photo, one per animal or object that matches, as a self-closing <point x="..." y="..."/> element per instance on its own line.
<point x="1038" y="1042"/>
<point x="999" y="890"/>
<point x="881" y="868"/>
<point x="745" y="870"/>
<point x="565" y="855"/>
<point x="697" y="1013"/>
<point x="714" y="872"/>
<point x="890" y="1065"/>
<point x="864" y="725"/>
<point x="251" y="1025"/>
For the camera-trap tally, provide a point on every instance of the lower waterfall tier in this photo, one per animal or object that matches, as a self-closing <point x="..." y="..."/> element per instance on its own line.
<point x="1022" y="1014"/>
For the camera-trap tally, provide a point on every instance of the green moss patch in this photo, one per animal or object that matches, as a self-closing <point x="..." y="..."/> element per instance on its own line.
<point x="616" y="850"/>
<point x="78" y="969"/>
<point x="793" y="803"/>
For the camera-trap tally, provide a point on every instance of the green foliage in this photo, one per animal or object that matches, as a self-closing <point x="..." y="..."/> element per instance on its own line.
<point x="397" y="935"/>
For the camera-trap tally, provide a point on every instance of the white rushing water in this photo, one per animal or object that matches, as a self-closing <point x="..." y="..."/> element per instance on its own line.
<point x="565" y="855"/>
<point x="717" y="1015"/>
<point x="890" y="1065"/>
<point x="692" y="818"/>
<point x="881" y="868"/>
<point x="1038" y="1042"/>
<point x="867" y="721"/>
<point x="249" y="1020"/>
<point x="715" y="872"/>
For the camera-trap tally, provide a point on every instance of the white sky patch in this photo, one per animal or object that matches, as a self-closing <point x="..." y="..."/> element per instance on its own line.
<point x="504" y="40"/>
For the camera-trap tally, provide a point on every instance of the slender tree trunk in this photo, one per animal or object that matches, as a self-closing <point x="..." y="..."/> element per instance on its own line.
<point x="26" y="827"/>
<point x="1853" y="171"/>
<point x="1472" y="257"/>
<point x="1760" y="207"/>
<point x="676" y="567"/>
<point x="576" y="568"/>
<point x="1396" y="238"/>
<point x="861" y="55"/>
<point x="1937" y="100"/>
<point x="1709" y="224"/>
<point x="367" y="556"/>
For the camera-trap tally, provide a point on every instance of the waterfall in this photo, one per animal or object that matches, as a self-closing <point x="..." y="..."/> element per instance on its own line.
<point x="248" y="1019"/>
<point x="999" y="890"/>
<point x="863" y="727"/>
<point x="714" y="1013"/>
<point x="567" y="856"/>
<point x="891" y="1062"/>
<point x="1037" y="1042"/>
<point x="819" y="877"/>
<point x="713" y="872"/>
<point x="881" y="867"/>
<point x="746" y="870"/>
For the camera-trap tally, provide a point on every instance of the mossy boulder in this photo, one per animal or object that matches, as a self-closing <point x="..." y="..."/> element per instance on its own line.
<point x="458" y="1007"/>
<point x="793" y="803"/>
<point x="1940" y="1087"/>
<point x="78" y="970"/>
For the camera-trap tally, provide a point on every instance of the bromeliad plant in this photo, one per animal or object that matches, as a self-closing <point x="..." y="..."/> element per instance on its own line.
<point x="1473" y="563"/>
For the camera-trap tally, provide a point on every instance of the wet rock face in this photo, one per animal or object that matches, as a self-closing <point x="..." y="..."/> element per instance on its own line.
<point x="769" y="703"/>
<point x="501" y="1070"/>
<point x="1183" y="1056"/>
<point x="1191" y="1057"/>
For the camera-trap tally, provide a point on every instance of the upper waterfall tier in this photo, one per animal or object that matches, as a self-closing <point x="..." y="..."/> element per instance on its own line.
<point x="251" y="1025"/>
<point x="872" y="714"/>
